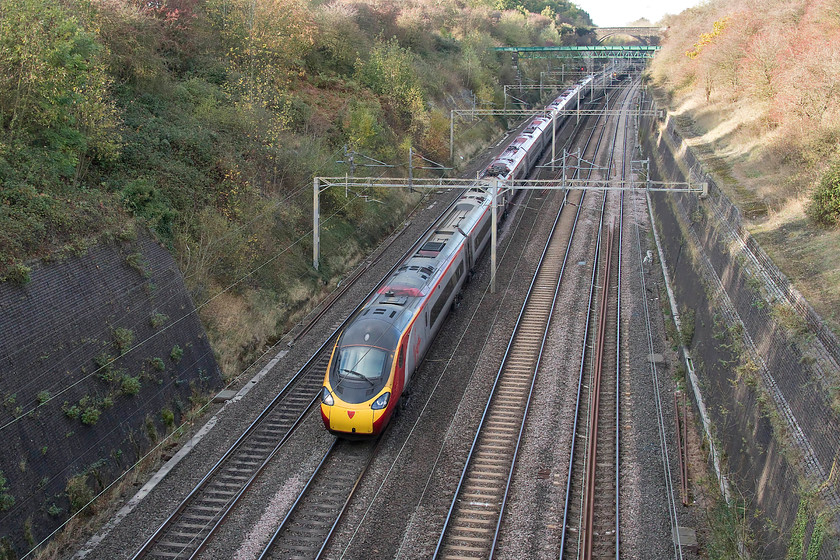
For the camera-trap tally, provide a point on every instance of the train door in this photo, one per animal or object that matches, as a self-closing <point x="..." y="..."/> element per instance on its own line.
<point x="417" y="341"/>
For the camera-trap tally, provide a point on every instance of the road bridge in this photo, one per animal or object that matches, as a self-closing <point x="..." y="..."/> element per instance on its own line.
<point x="645" y="34"/>
<point x="591" y="51"/>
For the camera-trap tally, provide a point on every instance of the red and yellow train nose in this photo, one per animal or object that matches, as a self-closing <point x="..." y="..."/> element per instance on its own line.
<point x="359" y="419"/>
<point x="351" y="420"/>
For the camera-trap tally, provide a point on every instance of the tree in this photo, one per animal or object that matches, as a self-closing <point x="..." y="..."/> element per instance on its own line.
<point x="266" y="41"/>
<point x="389" y="72"/>
<point x="762" y="62"/>
<point x="54" y="97"/>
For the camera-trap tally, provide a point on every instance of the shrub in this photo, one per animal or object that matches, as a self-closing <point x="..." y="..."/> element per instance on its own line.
<point x="138" y="262"/>
<point x="6" y="499"/>
<point x="158" y="364"/>
<point x="168" y="417"/>
<point x="123" y="338"/>
<point x="71" y="411"/>
<point x="104" y="362"/>
<point x="54" y="511"/>
<point x="18" y="274"/>
<point x="90" y="415"/>
<point x="390" y="72"/>
<point x="176" y="354"/>
<point x="687" y="318"/>
<point x="157" y="320"/>
<point x="147" y="202"/>
<point x="151" y="430"/>
<point x="130" y="385"/>
<point x="78" y="492"/>
<point x="43" y="397"/>
<point x="825" y="200"/>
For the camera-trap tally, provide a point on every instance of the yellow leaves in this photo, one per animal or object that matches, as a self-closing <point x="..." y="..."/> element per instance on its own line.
<point x="707" y="38"/>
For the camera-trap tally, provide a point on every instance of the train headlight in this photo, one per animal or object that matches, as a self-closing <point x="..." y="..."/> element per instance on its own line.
<point x="326" y="397"/>
<point x="381" y="402"/>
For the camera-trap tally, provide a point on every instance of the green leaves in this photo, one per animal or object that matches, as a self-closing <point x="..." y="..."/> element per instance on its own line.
<point x="54" y="86"/>
<point x="147" y="202"/>
<point x="56" y="117"/>
<point x="389" y="71"/>
<point x="825" y="200"/>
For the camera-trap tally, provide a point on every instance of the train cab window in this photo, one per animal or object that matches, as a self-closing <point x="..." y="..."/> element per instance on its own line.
<point x="362" y="363"/>
<point x="360" y="372"/>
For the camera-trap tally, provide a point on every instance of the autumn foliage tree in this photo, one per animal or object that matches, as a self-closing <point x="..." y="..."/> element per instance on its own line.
<point x="781" y="59"/>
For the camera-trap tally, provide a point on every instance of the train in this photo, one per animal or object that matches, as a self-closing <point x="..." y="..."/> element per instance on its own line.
<point x="382" y="346"/>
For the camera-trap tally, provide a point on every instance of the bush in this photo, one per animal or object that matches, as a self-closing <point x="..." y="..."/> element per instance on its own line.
<point x="78" y="492"/>
<point x="825" y="200"/>
<point x="145" y="201"/>
<point x="123" y="338"/>
<point x="90" y="416"/>
<point x="72" y="412"/>
<point x="157" y="320"/>
<point x="139" y="263"/>
<point x="130" y="385"/>
<point x="176" y="354"/>
<point x="18" y="274"/>
<point x="168" y="417"/>
<point x="6" y="499"/>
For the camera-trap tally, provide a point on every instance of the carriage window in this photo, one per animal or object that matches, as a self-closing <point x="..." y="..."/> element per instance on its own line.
<point x="442" y="298"/>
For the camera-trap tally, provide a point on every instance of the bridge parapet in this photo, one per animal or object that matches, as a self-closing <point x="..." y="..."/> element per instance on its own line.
<point x="642" y="33"/>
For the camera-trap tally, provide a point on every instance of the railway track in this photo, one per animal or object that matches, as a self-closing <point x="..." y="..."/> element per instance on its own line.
<point x="474" y="519"/>
<point x="186" y="531"/>
<point x="306" y="530"/>
<point x="601" y="489"/>
<point x="189" y="528"/>
<point x="591" y="512"/>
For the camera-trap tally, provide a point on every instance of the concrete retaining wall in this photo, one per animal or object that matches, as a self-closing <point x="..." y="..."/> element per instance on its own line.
<point x="74" y="343"/>
<point x="765" y="360"/>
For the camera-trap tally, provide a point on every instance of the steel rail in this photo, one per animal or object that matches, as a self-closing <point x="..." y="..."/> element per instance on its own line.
<point x="495" y="389"/>
<point x="288" y="391"/>
<point x="594" y="410"/>
<point x="576" y="425"/>
<point x="628" y="153"/>
<point x="326" y="482"/>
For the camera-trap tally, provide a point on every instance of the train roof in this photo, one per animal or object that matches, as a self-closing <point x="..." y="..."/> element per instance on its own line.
<point x="404" y="291"/>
